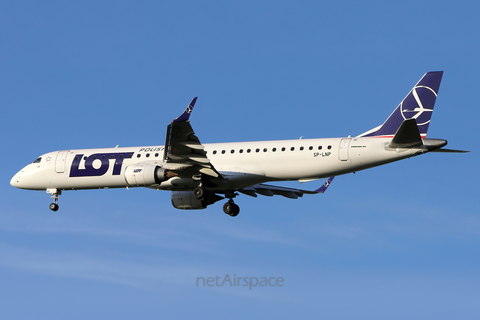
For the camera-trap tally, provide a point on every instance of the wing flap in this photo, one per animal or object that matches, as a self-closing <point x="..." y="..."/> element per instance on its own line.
<point x="291" y="193"/>
<point x="264" y="191"/>
<point x="192" y="145"/>
<point x="249" y="192"/>
<point x="203" y="160"/>
<point x="209" y="172"/>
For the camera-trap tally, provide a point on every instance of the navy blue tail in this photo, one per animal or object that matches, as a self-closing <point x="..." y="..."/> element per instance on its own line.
<point x="418" y="105"/>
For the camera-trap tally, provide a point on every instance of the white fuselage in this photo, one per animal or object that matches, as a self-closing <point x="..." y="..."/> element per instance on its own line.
<point x="243" y="163"/>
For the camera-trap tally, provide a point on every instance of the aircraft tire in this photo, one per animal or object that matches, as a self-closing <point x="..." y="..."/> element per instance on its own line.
<point x="231" y="209"/>
<point x="199" y="193"/>
<point x="228" y="207"/>
<point x="53" y="206"/>
<point x="236" y="210"/>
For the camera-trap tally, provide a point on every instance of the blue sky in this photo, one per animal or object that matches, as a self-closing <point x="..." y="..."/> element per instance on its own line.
<point x="397" y="241"/>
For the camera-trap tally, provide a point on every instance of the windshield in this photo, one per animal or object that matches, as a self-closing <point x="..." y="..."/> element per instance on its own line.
<point x="37" y="160"/>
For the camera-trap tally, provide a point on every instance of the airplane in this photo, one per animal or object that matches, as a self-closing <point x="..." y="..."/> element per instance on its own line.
<point x="198" y="175"/>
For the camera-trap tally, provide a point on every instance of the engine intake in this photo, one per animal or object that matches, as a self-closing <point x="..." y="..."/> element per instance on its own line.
<point x="141" y="175"/>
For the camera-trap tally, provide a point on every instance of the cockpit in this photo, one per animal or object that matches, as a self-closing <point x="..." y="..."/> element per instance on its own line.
<point x="37" y="160"/>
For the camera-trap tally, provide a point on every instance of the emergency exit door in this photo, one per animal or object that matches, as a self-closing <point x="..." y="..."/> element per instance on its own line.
<point x="343" y="149"/>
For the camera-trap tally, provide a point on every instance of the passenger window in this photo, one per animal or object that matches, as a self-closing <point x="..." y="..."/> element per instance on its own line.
<point x="329" y="147"/>
<point x="264" y="149"/>
<point x="274" y="149"/>
<point x="283" y="149"/>
<point x="319" y="147"/>
<point x="257" y="150"/>
<point x="138" y="155"/>
<point x="148" y="155"/>
<point x="214" y="151"/>
<point x="248" y="150"/>
<point x="241" y="150"/>
<point x="301" y="148"/>
<point x="223" y="151"/>
<point x="156" y="154"/>
<point x="310" y="148"/>
<point x="232" y="151"/>
<point x="292" y="148"/>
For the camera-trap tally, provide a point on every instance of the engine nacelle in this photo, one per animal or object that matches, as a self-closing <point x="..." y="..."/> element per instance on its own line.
<point x="142" y="175"/>
<point x="186" y="200"/>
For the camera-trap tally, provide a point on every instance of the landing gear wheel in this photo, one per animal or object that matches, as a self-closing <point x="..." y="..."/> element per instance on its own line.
<point x="236" y="210"/>
<point x="231" y="208"/>
<point x="55" y="194"/>
<point x="199" y="193"/>
<point x="228" y="207"/>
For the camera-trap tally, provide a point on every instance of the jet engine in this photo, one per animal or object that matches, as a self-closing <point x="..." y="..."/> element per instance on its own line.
<point x="186" y="200"/>
<point x="142" y="175"/>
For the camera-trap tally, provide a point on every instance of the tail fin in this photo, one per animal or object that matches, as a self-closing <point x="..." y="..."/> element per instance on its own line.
<point x="418" y="105"/>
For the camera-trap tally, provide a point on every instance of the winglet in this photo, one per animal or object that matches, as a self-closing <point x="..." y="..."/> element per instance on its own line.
<point x="186" y="114"/>
<point x="323" y="188"/>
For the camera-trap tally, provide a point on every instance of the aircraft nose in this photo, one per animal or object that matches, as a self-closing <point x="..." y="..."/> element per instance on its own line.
<point x="15" y="180"/>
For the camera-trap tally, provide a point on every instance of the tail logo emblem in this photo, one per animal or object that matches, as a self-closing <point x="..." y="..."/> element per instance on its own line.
<point x="419" y="104"/>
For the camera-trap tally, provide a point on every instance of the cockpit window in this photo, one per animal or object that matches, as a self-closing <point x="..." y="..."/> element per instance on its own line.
<point x="37" y="160"/>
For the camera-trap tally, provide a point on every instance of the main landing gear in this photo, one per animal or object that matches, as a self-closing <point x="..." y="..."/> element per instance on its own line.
<point x="229" y="207"/>
<point x="55" y="195"/>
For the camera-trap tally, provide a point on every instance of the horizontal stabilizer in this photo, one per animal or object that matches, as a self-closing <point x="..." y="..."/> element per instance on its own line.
<point x="450" y="151"/>
<point x="407" y="136"/>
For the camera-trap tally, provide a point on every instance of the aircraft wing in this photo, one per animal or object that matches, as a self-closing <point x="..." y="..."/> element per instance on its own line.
<point x="292" y="193"/>
<point x="182" y="147"/>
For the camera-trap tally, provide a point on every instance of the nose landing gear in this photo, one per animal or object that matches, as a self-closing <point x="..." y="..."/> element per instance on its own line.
<point x="55" y="195"/>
